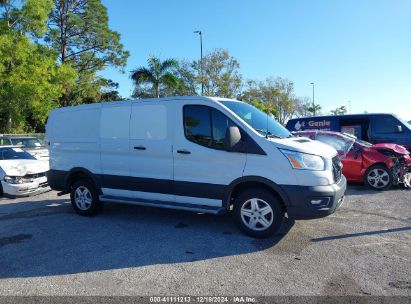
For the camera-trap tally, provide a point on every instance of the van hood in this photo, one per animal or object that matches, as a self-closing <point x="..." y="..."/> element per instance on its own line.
<point x="22" y="167"/>
<point x="305" y="145"/>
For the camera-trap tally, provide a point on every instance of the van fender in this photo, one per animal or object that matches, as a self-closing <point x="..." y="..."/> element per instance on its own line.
<point x="257" y="180"/>
<point x="96" y="179"/>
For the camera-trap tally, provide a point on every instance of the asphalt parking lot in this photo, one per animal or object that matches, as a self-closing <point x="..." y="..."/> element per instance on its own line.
<point x="46" y="249"/>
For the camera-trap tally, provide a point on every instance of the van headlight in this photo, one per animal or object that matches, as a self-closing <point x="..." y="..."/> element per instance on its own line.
<point x="304" y="161"/>
<point x="13" y="179"/>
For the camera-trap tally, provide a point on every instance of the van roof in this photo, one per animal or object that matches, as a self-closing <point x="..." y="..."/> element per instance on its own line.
<point x="148" y="100"/>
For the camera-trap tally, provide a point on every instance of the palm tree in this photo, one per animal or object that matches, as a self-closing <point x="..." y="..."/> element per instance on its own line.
<point x="315" y="109"/>
<point x="158" y="74"/>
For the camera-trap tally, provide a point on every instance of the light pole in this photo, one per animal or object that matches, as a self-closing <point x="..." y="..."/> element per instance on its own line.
<point x="312" y="83"/>
<point x="200" y="33"/>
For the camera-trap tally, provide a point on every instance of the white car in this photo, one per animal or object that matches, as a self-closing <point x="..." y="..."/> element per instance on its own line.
<point x="21" y="174"/>
<point x="30" y="144"/>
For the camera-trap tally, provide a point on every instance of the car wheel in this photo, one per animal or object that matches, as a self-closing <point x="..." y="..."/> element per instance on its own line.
<point x="378" y="177"/>
<point x="258" y="213"/>
<point x="85" y="198"/>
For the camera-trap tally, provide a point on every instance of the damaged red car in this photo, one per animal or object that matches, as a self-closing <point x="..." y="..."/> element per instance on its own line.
<point x="379" y="166"/>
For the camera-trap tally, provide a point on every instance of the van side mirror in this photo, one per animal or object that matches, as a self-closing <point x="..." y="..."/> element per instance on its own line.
<point x="232" y="139"/>
<point x="398" y="129"/>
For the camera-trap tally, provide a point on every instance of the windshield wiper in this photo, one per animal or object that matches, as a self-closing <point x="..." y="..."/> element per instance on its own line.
<point x="268" y="133"/>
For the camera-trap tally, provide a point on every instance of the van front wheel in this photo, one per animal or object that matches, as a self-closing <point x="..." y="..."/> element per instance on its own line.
<point x="84" y="198"/>
<point x="258" y="213"/>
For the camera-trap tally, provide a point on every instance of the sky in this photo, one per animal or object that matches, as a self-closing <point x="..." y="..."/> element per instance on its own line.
<point x="357" y="52"/>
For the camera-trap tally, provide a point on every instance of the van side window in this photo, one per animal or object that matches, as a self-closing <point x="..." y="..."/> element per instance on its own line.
<point x="385" y="124"/>
<point x="197" y="127"/>
<point x="205" y="126"/>
<point x="219" y="123"/>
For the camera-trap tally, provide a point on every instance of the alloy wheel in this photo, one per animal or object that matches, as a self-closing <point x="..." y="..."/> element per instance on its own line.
<point x="378" y="178"/>
<point x="83" y="198"/>
<point x="257" y="214"/>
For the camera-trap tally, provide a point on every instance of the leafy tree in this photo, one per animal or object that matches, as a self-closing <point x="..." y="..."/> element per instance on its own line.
<point x="30" y="80"/>
<point x="275" y="93"/>
<point x="303" y="105"/>
<point x="89" y="89"/>
<point x="109" y="91"/>
<point x="287" y="101"/>
<point x="339" y="111"/>
<point x="269" y="109"/>
<point x="25" y="16"/>
<point x="221" y="76"/>
<point x="155" y="79"/>
<point x="261" y="96"/>
<point x="315" y="110"/>
<point x="187" y="84"/>
<point x="79" y="32"/>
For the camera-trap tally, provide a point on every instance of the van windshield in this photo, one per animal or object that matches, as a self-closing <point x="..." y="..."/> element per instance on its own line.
<point x="257" y="119"/>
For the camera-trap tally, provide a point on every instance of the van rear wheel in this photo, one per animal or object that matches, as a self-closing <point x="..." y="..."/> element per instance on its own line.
<point x="84" y="198"/>
<point x="258" y="213"/>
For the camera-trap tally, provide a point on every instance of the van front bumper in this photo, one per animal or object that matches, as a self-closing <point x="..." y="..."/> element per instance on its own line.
<point x="310" y="202"/>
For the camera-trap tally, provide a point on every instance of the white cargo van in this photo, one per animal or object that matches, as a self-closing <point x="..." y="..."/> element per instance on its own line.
<point x="193" y="153"/>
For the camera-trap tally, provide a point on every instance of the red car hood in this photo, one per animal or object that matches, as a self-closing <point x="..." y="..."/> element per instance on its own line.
<point x="396" y="148"/>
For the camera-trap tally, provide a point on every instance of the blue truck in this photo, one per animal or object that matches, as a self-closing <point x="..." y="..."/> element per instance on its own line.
<point x="374" y="128"/>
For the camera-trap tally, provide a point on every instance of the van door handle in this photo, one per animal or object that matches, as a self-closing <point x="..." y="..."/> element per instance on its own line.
<point x="183" y="152"/>
<point x="139" y="148"/>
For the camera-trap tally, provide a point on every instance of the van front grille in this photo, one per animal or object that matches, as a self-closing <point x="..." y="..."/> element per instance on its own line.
<point x="337" y="168"/>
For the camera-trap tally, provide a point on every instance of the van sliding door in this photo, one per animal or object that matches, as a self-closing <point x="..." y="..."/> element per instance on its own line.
<point x="114" y="146"/>
<point x="150" y="158"/>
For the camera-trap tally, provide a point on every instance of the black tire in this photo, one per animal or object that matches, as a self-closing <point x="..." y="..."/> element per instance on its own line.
<point x="1" y="189"/>
<point x="263" y="198"/>
<point x="91" y="204"/>
<point x="378" y="177"/>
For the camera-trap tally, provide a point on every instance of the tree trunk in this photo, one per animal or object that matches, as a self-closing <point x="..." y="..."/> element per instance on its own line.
<point x="157" y="89"/>
<point x="9" y="124"/>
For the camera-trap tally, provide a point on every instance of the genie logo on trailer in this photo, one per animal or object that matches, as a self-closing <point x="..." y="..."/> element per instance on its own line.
<point x="313" y="124"/>
<point x="321" y="123"/>
<point x="299" y="126"/>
